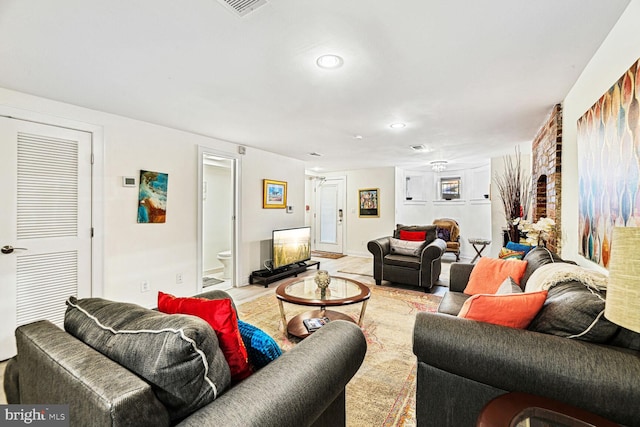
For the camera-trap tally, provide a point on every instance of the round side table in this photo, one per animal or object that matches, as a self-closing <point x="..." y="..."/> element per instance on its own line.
<point x="523" y="409"/>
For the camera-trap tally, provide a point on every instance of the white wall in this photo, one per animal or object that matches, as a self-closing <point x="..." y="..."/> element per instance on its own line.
<point x="360" y="230"/>
<point x="133" y="252"/>
<point x="472" y="211"/>
<point x="617" y="53"/>
<point x="257" y="223"/>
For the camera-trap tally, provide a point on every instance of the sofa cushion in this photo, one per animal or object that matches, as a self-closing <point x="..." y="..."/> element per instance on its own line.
<point x="513" y="310"/>
<point x="519" y="247"/>
<point x="415" y="236"/>
<point x="406" y="247"/>
<point x="178" y="355"/>
<point x="509" y="286"/>
<point x="262" y="349"/>
<point x="538" y="257"/>
<point x="452" y="302"/>
<point x="506" y="253"/>
<point x="221" y="316"/>
<point x="489" y="273"/>
<point x="402" y="261"/>
<point x="573" y="310"/>
<point x="430" y="231"/>
<point x="444" y="234"/>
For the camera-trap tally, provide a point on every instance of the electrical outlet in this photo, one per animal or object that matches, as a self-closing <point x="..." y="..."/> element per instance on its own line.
<point x="178" y="278"/>
<point x="144" y="286"/>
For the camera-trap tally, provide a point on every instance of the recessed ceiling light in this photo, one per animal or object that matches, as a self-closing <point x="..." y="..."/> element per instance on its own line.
<point x="357" y="136"/>
<point x="397" y="125"/>
<point x="329" y="61"/>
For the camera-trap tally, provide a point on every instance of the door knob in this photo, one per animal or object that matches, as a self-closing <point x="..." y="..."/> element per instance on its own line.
<point x="9" y="249"/>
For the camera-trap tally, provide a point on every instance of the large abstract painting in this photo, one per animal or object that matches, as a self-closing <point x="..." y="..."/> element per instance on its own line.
<point x="609" y="167"/>
<point x="152" y="197"/>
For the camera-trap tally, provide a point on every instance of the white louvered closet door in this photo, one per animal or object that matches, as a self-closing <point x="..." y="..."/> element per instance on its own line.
<point x="45" y="189"/>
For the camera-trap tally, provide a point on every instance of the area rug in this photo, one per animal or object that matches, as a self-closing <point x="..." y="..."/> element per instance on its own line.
<point x="382" y="393"/>
<point x="330" y="255"/>
<point x="366" y="269"/>
<point x="360" y="269"/>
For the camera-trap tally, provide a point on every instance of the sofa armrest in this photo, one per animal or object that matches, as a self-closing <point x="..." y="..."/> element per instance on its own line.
<point x="433" y="250"/>
<point x="57" y="368"/>
<point x="379" y="247"/>
<point x="12" y="381"/>
<point x="602" y="379"/>
<point x="295" y="389"/>
<point x="459" y="276"/>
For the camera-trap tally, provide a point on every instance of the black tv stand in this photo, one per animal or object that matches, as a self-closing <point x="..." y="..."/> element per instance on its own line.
<point x="265" y="277"/>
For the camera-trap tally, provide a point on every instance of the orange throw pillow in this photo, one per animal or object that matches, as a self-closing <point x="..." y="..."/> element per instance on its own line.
<point x="218" y="313"/>
<point x="489" y="273"/>
<point x="513" y="310"/>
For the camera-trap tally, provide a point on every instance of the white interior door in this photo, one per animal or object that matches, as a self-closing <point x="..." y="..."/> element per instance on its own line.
<point x="330" y="203"/>
<point x="45" y="223"/>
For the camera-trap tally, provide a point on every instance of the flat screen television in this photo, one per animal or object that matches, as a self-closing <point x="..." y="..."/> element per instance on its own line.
<point x="291" y="246"/>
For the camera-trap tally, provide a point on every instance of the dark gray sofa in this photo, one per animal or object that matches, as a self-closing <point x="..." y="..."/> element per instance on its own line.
<point x="464" y="364"/>
<point x="422" y="270"/>
<point x="305" y="386"/>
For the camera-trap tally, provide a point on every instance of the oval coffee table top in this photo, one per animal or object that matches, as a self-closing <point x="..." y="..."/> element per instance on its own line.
<point x="341" y="291"/>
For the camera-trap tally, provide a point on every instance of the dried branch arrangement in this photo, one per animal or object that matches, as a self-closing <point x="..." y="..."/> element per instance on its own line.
<point x="514" y="189"/>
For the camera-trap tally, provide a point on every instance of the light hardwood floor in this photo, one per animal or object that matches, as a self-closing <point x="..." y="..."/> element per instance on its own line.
<point x="348" y="266"/>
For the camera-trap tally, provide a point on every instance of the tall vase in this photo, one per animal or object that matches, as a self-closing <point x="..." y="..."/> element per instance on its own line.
<point x="323" y="280"/>
<point x="514" y="233"/>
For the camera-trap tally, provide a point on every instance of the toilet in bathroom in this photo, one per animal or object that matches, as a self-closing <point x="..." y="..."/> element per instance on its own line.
<point x="225" y="258"/>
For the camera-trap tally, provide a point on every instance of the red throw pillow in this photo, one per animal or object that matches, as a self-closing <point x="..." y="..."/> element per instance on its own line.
<point x="513" y="310"/>
<point x="414" y="236"/>
<point x="218" y="313"/>
<point x="489" y="273"/>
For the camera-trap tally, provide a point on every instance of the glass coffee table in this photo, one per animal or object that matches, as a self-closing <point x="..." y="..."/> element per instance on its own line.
<point x="304" y="291"/>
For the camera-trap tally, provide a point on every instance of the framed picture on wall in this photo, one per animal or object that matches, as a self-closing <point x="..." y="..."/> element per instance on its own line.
<point x="369" y="202"/>
<point x="450" y="188"/>
<point x="152" y="197"/>
<point x="274" y="194"/>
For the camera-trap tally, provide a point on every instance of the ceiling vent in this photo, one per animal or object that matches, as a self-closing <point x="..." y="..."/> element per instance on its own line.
<point x="420" y="148"/>
<point x="242" y="7"/>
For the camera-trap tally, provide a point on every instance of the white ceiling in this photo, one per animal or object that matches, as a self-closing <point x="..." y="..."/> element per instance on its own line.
<point x="470" y="78"/>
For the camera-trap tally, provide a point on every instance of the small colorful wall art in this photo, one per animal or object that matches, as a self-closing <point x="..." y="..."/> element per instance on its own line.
<point x="369" y="202"/>
<point x="152" y="198"/>
<point x="274" y="194"/>
<point x="609" y="167"/>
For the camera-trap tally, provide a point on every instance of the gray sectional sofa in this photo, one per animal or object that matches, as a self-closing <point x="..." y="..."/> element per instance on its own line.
<point x="305" y="386"/>
<point x="464" y="364"/>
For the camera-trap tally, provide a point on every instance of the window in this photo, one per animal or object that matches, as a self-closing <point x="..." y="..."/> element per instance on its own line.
<point x="450" y="188"/>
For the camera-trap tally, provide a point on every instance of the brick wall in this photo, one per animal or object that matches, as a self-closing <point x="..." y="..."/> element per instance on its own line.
<point x="547" y="175"/>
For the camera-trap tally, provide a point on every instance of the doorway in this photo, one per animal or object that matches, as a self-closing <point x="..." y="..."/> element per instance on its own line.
<point x="45" y="224"/>
<point x="330" y="214"/>
<point x="218" y="212"/>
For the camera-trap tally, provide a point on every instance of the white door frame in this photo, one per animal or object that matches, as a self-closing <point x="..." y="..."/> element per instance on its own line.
<point x="236" y="172"/>
<point x="342" y="204"/>
<point x="97" y="183"/>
